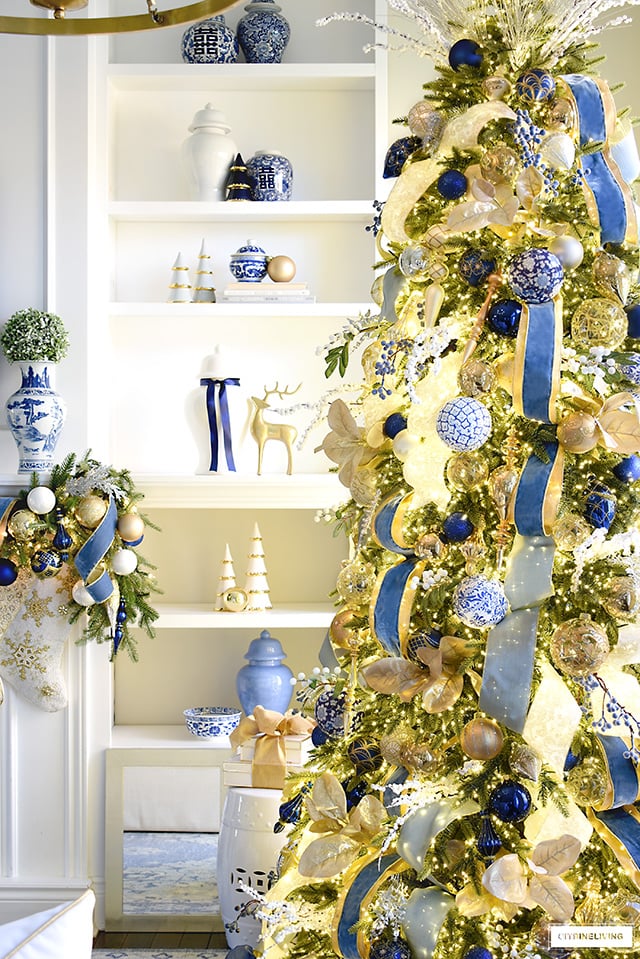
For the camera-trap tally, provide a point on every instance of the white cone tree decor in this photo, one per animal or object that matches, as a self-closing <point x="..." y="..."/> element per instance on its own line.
<point x="257" y="586"/>
<point x="180" y="286"/>
<point x="226" y="579"/>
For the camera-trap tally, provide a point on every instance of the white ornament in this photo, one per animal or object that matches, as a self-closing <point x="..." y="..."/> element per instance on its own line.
<point x="123" y="562"/>
<point x="559" y="151"/>
<point x="41" y="500"/>
<point x="569" y="251"/>
<point x="81" y="594"/>
<point x="403" y="442"/>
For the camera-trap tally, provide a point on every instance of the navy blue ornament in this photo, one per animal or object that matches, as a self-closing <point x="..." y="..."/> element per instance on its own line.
<point x="475" y="266"/>
<point x="600" y="507"/>
<point x="46" y="562"/>
<point x="478" y="952"/>
<point x="457" y="527"/>
<point x="318" y="736"/>
<point x="535" y="85"/>
<point x="465" y="53"/>
<point x="62" y="539"/>
<point x="118" y="634"/>
<point x="398" y="154"/>
<point x="488" y="843"/>
<point x="355" y="795"/>
<point x="510" y="801"/>
<point x="395" y="423"/>
<point x="571" y="761"/>
<point x="633" y="321"/>
<point x="329" y="713"/>
<point x="426" y="638"/>
<point x="8" y="572"/>
<point x="628" y="469"/>
<point x="289" y="811"/>
<point x="452" y="184"/>
<point x="365" y="755"/>
<point x="504" y="317"/>
<point x="390" y="949"/>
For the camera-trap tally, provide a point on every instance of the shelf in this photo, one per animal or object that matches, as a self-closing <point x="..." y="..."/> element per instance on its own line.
<point x="284" y="616"/>
<point x="236" y="491"/>
<point x="158" y="211"/>
<point x="163" y="737"/>
<point x="223" y="309"/>
<point x="243" y="77"/>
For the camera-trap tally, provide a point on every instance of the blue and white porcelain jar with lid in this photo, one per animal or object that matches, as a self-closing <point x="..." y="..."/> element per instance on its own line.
<point x="263" y="32"/>
<point x="249" y="263"/>
<point x="210" y="41"/>
<point x="271" y="176"/>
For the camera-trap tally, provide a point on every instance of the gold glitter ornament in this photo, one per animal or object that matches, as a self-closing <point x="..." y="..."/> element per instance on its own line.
<point x="355" y="583"/>
<point x="562" y="115"/>
<point x="90" y="510"/>
<point x="578" y="646"/>
<point x="364" y="486"/>
<point x="496" y="88"/>
<point x="429" y="546"/>
<point x="611" y="276"/>
<point x="481" y="738"/>
<point x="476" y="377"/>
<point x="587" y="783"/>
<point x="23" y="525"/>
<point x="570" y="531"/>
<point x="394" y="745"/>
<point x="621" y="600"/>
<point x="281" y="269"/>
<point x="467" y="470"/>
<point x="499" y="165"/>
<point x="598" y="322"/>
<point x="578" y="432"/>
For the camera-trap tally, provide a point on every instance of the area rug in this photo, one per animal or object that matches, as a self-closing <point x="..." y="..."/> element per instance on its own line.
<point x="168" y="872"/>
<point x="159" y="954"/>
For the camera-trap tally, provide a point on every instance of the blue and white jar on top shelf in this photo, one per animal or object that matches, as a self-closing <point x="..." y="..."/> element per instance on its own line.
<point x="271" y="176"/>
<point x="249" y="263"/>
<point x="263" y="32"/>
<point x="35" y="415"/>
<point x="210" y="41"/>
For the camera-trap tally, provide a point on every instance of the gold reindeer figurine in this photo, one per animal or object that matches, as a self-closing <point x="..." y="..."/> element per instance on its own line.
<point x="262" y="430"/>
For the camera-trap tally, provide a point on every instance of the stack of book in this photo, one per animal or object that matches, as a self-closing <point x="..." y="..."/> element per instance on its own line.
<point x="239" y="771"/>
<point x="267" y="292"/>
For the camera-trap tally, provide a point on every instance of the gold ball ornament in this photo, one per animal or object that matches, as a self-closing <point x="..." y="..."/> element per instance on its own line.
<point x="429" y="546"/>
<point x="579" y="646"/>
<point x="394" y="746"/>
<point x="587" y="783"/>
<point x="622" y="601"/>
<point x="599" y="322"/>
<point x="355" y="583"/>
<point x="496" y="88"/>
<point x="562" y="115"/>
<point x="23" y="525"/>
<point x="90" y="511"/>
<point x="570" y="531"/>
<point x="436" y="237"/>
<point x="418" y="756"/>
<point x="281" y="269"/>
<point x="467" y="470"/>
<point x="611" y="276"/>
<point x="476" y="377"/>
<point x="499" y="165"/>
<point x="340" y="630"/>
<point x="578" y="432"/>
<point x="235" y="599"/>
<point x="481" y="738"/>
<point x="130" y="527"/>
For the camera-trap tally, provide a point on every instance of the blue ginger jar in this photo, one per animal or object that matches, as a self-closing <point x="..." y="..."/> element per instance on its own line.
<point x="271" y="176"/>
<point x="35" y="415"/>
<point x="263" y="32"/>
<point x="249" y="263"/>
<point x="210" y="41"/>
<point x="265" y="680"/>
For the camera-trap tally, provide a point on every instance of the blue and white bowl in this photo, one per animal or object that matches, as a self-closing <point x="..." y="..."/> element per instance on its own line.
<point x="209" y="721"/>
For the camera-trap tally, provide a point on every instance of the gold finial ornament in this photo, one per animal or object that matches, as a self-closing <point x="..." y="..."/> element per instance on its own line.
<point x="59" y="25"/>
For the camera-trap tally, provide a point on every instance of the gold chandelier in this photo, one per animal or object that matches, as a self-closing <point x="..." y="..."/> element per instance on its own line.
<point x="153" y="19"/>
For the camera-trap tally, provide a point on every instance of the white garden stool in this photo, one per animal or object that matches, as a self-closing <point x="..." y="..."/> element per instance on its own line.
<point x="248" y="852"/>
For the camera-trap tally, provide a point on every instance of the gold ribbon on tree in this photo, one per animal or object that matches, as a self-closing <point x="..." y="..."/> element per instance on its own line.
<point x="269" y="763"/>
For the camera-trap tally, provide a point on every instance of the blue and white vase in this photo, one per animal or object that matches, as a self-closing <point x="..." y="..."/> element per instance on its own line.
<point x="249" y="263"/>
<point x="35" y="414"/>
<point x="210" y="41"/>
<point x="271" y="176"/>
<point x="265" y="680"/>
<point x="263" y="32"/>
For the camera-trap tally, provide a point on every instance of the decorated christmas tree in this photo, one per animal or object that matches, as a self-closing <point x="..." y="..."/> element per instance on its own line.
<point x="474" y="788"/>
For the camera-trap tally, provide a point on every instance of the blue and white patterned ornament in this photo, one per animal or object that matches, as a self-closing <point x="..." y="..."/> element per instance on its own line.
<point x="475" y="266"/>
<point x="628" y="469"/>
<point x="398" y="154"/>
<point x="457" y="527"/>
<point x="329" y="712"/>
<point x="535" y="276"/>
<point x="464" y="423"/>
<point x="452" y="184"/>
<point x="46" y="562"/>
<point x="628" y="364"/>
<point x="465" y="53"/>
<point x="390" y="949"/>
<point x="535" y="84"/>
<point x="600" y="507"/>
<point x="510" y="801"/>
<point x="504" y="317"/>
<point x="479" y="602"/>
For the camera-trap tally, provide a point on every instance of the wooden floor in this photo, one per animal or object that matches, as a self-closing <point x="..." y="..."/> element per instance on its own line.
<point x="166" y="940"/>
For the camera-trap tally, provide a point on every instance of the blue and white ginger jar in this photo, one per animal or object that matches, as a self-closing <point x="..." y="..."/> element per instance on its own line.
<point x="271" y="176"/>
<point x="263" y="32"/>
<point x="210" y="41"/>
<point x="249" y="263"/>
<point x="36" y="414"/>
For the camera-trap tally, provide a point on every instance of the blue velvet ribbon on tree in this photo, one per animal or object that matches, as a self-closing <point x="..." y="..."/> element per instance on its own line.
<point x="623" y="773"/>
<point x="359" y="887"/>
<point x="537" y="361"/>
<point x="98" y="582"/>
<point x="219" y="387"/>
<point x="614" y="206"/>
<point x="620" y="829"/>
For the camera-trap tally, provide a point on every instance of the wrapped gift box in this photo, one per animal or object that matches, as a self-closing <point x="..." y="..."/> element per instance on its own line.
<point x="297" y="748"/>
<point x="239" y="773"/>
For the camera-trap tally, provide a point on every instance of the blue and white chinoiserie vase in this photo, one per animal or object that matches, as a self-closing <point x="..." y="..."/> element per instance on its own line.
<point x="263" y="32"/>
<point x="265" y="680"/>
<point x="271" y="176"/>
<point x="36" y="414"/>
<point x="249" y="263"/>
<point x="210" y="41"/>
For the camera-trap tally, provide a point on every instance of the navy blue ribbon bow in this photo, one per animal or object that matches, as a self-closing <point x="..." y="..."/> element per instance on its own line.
<point x="221" y="386"/>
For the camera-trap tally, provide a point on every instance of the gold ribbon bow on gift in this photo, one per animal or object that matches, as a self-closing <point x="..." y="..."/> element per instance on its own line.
<point x="269" y="762"/>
